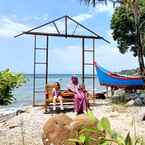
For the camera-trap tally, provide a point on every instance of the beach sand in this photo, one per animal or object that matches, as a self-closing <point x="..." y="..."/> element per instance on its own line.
<point x="26" y="128"/>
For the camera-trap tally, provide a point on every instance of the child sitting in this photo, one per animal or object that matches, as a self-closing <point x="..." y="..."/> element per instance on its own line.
<point x="56" y="93"/>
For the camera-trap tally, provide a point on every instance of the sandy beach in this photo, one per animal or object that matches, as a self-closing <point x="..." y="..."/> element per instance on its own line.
<point x="26" y="128"/>
<point x="72" y="55"/>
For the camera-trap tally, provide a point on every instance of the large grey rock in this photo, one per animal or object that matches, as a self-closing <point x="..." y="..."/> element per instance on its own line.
<point x="143" y="100"/>
<point x="133" y="96"/>
<point x="138" y="102"/>
<point x="142" y="96"/>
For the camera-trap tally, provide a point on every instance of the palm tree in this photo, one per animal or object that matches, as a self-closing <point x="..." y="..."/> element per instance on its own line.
<point x="133" y="5"/>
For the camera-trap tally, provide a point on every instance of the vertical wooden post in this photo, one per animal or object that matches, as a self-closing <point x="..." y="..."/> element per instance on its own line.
<point x="94" y="67"/>
<point x="34" y="73"/>
<point x="107" y="93"/>
<point x="112" y="91"/>
<point x="83" y="61"/>
<point x="46" y="77"/>
<point x="46" y="74"/>
<point x="65" y="26"/>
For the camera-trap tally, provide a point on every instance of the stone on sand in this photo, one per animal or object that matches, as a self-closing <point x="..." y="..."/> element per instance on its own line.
<point x="56" y="130"/>
<point x="59" y="129"/>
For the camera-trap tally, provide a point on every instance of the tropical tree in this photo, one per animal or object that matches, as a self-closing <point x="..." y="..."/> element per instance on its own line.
<point x="133" y="6"/>
<point x="124" y="29"/>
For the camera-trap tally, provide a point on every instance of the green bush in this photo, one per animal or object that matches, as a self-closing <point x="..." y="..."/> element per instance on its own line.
<point x="8" y="82"/>
<point x="104" y="135"/>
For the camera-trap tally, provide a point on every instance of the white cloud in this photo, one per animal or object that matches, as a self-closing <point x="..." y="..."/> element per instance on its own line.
<point x="107" y="56"/>
<point x="82" y="17"/>
<point x="110" y="58"/>
<point x="37" y="18"/>
<point x="68" y="56"/>
<point x="73" y="47"/>
<point x="9" y="27"/>
<point x="110" y="37"/>
<point x="110" y="33"/>
<point x="61" y="25"/>
<point x="102" y="8"/>
<point x="45" y="17"/>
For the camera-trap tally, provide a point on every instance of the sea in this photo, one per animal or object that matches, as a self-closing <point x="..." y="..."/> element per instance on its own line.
<point x="24" y="94"/>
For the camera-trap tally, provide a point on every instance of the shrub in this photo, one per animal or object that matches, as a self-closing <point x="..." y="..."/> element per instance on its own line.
<point x="104" y="135"/>
<point x="8" y="82"/>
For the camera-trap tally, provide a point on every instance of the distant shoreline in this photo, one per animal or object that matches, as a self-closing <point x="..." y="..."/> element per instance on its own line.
<point x="55" y="74"/>
<point x="124" y="71"/>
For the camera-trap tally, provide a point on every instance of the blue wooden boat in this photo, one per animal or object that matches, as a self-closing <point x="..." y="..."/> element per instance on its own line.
<point x="114" y="80"/>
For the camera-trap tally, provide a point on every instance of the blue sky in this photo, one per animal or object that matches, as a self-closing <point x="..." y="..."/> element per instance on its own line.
<point x="64" y="54"/>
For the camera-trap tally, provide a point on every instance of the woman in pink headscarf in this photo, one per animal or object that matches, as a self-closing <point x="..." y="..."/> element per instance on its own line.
<point x="80" y="97"/>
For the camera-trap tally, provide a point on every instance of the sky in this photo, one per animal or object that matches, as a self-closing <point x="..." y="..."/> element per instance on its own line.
<point x="64" y="54"/>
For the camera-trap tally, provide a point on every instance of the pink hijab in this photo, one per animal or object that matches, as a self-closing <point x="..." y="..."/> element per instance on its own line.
<point x="74" y="84"/>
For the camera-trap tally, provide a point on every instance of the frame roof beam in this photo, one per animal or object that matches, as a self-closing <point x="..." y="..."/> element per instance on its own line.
<point x="62" y="35"/>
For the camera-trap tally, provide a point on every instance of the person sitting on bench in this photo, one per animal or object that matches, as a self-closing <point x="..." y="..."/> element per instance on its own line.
<point x="56" y="93"/>
<point x="80" y="96"/>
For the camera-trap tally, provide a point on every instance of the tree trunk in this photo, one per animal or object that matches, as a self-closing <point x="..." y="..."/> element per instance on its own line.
<point x="140" y="45"/>
<point x="1" y="100"/>
<point x="141" y="63"/>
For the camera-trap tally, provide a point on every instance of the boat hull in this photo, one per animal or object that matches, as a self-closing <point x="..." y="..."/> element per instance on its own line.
<point x="107" y="78"/>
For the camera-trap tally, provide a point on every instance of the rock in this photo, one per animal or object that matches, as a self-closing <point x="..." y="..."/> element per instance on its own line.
<point x="138" y="102"/>
<point x="19" y="111"/>
<point x="119" y="92"/>
<point x="56" y="130"/>
<point x="13" y="126"/>
<point x="142" y="96"/>
<point x="143" y="100"/>
<point x="130" y="103"/>
<point x="133" y="96"/>
<point x="143" y="119"/>
<point x="80" y="122"/>
<point x="59" y="129"/>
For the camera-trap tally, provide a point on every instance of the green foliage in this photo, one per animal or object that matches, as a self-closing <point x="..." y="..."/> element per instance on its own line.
<point x="104" y="124"/>
<point x="82" y="140"/>
<point x="130" y="72"/>
<point x="104" y="135"/>
<point x="91" y="116"/>
<point x="124" y="30"/>
<point x="8" y="82"/>
<point x="128" y="140"/>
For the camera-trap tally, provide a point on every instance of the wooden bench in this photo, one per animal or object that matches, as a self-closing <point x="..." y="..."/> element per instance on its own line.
<point x="67" y="96"/>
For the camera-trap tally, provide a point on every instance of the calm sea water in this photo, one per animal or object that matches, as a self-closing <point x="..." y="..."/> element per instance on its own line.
<point x="24" y="94"/>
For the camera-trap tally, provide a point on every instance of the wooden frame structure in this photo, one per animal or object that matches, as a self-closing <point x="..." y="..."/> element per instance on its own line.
<point x="65" y="34"/>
